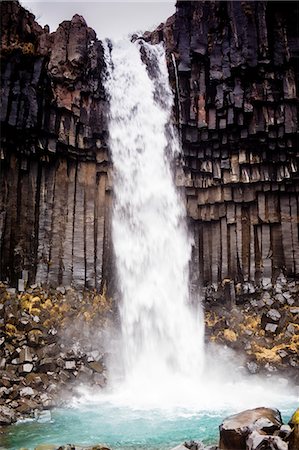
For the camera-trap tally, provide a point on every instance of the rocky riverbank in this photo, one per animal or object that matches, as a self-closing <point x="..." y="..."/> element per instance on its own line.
<point x="50" y="343"/>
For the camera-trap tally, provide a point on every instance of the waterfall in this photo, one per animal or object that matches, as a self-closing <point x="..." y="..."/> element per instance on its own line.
<point x="161" y="353"/>
<point x="162" y="337"/>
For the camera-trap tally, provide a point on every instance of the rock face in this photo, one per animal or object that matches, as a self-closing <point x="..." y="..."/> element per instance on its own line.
<point x="55" y="199"/>
<point x="236" y="110"/>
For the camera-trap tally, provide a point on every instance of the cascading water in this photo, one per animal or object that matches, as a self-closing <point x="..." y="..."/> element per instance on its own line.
<point x="162" y="338"/>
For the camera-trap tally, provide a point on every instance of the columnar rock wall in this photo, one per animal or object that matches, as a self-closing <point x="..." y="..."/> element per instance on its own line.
<point x="55" y="194"/>
<point x="237" y="113"/>
<point x="237" y="106"/>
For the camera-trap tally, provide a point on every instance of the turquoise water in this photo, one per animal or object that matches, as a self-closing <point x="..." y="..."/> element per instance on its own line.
<point x="119" y="428"/>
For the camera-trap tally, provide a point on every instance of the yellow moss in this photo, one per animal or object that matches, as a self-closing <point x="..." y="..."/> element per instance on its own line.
<point x="34" y="311"/>
<point x="10" y="329"/>
<point x="47" y="304"/>
<point x="295" y="417"/>
<point x="251" y="323"/>
<point x="87" y="316"/>
<point x="230" y="335"/>
<point x="35" y="332"/>
<point x="210" y="319"/>
<point x="48" y="323"/>
<point x="101" y="301"/>
<point x="65" y="307"/>
<point x="27" y="48"/>
<point x="55" y="309"/>
<point x="267" y="354"/>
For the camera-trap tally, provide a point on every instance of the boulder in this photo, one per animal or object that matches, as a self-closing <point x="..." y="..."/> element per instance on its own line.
<point x="235" y="429"/>
<point x="257" y="441"/>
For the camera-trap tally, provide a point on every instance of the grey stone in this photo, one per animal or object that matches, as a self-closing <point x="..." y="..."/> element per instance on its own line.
<point x="70" y="365"/>
<point x="270" y="367"/>
<point x="274" y="315"/>
<point x="60" y="289"/>
<point x="21" y="285"/>
<point x="252" y="367"/>
<point x="26" y="392"/>
<point x="25" y="355"/>
<point x="280" y="298"/>
<point x="291" y="329"/>
<point x="2" y="363"/>
<point x="43" y="416"/>
<point x="11" y="291"/>
<point x="26" y="368"/>
<point x="271" y="327"/>
<point x="282" y="353"/>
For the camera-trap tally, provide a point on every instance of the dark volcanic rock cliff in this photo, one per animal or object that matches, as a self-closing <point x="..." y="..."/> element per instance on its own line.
<point x="54" y="191"/>
<point x="237" y="110"/>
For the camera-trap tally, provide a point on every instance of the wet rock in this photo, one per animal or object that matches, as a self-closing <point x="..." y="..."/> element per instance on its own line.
<point x="61" y="289"/>
<point x="70" y="365"/>
<point x="235" y="429"/>
<point x="47" y="365"/>
<point x="274" y="315"/>
<point x="7" y="415"/>
<point x="256" y="441"/>
<point x="284" y="432"/>
<point x="26" y="392"/>
<point x="252" y="367"/>
<point x="96" y="366"/>
<point x="25" y="355"/>
<point x="43" y="416"/>
<point x="25" y="368"/>
<point x="271" y="328"/>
